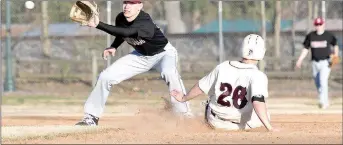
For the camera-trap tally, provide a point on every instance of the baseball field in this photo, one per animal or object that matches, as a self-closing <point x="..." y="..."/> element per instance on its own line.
<point x="136" y="113"/>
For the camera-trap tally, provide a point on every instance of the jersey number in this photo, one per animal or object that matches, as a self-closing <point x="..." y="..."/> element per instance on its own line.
<point x="238" y="94"/>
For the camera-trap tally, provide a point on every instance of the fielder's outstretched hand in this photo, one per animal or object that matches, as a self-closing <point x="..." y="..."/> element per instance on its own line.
<point x="177" y="95"/>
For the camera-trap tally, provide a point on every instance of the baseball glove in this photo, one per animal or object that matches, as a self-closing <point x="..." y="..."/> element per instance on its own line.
<point x="334" y="60"/>
<point x="83" y="11"/>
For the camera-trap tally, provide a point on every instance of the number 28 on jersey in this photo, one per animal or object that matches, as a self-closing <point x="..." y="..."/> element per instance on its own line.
<point x="237" y="96"/>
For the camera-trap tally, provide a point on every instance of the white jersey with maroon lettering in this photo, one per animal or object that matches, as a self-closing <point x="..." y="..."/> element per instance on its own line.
<point x="230" y="87"/>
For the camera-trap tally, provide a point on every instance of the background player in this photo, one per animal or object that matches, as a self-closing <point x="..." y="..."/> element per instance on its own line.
<point x="152" y="50"/>
<point x="237" y="90"/>
<point x="319" y="41"/>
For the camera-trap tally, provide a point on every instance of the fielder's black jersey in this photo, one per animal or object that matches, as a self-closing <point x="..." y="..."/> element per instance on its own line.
<point x="320" y="44"/>
<point x="147" y="38"/>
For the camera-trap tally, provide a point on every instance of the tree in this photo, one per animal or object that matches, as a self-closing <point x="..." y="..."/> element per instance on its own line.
<point x="261" y="63"/>
<point x="45" y="34"/>
<point x="294" y="12"/>
<point x="174" y="18"/>
<point x="277" y="24"/>
<point x="59" y="11"/>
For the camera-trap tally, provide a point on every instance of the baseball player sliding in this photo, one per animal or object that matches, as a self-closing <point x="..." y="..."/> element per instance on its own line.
<point x="152" y="50"/>
<point x="237" y="91"/>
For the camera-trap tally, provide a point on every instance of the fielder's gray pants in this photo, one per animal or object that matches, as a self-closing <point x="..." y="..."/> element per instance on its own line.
<point x="131" y="65"/>
<point x="321" y="72"/>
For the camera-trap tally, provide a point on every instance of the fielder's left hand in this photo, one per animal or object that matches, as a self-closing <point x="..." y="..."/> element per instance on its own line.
<point x="177" y="95"/>
<point x="94" y="21"/>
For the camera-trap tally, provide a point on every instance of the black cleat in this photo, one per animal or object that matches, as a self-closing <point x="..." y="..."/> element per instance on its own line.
<point x="88" y="120"/>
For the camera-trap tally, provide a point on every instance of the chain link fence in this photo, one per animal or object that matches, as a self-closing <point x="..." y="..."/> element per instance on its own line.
<point x="46" y="43"/>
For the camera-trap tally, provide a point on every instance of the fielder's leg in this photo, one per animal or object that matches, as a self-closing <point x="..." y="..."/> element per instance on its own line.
<point x="168" y="68"/>
<point x="124" y="68"/>
<point x="324" y="86"/>
<point x="315" y="75"/>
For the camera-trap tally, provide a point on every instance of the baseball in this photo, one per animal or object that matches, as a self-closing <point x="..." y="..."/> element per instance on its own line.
<point x="29" y="4"/>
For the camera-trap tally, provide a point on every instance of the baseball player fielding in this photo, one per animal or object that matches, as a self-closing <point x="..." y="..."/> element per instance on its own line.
<point x="152" y="50"/>
<point x="319" y="42"/>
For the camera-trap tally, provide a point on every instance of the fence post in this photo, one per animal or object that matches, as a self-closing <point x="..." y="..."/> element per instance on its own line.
<point x="94" y="68"/>
<point x="9" y="80"/>
<point x="1" y="80"/>
<point x="221" y="43"/>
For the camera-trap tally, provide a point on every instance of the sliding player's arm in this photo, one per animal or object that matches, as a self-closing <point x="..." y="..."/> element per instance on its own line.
<point x="259" y="90"/>
<point x="204" y="85"/>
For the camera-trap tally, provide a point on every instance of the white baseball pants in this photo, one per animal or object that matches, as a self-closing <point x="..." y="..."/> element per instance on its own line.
<point x="247" y="121"/>
<point x="321" y="72"/>
<point x="134" y="64"/>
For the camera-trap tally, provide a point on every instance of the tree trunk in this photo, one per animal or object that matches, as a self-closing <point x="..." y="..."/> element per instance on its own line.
<point x="277" y="25"/>
<point x="149" y="8"/>
<point x="45" y="35"/>
<point x="316" y="9"/>
<point x="309" y="16"/>
<point x="173" y="16"/>
<point x="196" y="24"/>
<point x="174" y="19"/>
<point x="262" y="63"/>
<point x="294" y="15"/>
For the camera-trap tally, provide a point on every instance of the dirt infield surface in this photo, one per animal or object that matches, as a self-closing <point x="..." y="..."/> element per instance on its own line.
<point x="134" y="114"/>
<point x="161" y="128"/>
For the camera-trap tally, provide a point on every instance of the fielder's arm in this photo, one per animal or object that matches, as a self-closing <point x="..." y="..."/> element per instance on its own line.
<point x="307" y="45"/>
<point x="116" y="43"/>
<point x="302" y="55"/>
<point x="117" y="31"/>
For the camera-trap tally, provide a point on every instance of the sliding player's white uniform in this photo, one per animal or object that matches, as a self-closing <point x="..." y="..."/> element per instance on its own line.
<point x="231" y="86"/>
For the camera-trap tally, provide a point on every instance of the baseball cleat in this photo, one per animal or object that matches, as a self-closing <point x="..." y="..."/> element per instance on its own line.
<point x="323" y="106"/>
<point x="88" y="120"/>
<point x="188" y="115"/>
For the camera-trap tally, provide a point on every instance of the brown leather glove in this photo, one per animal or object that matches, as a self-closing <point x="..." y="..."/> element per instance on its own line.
<point x="333" y="60"/>
<point x="83" y="11"/>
